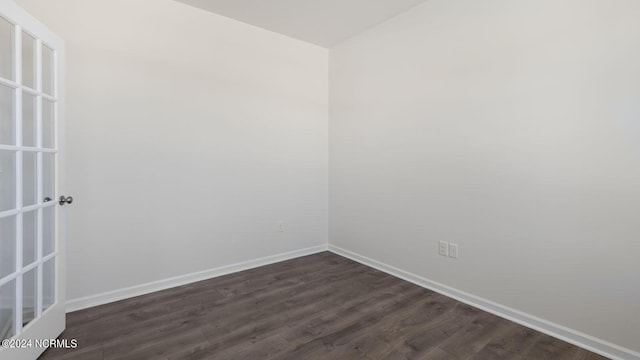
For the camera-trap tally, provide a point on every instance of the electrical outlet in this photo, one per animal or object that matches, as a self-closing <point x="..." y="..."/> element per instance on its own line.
<point x="443" y="248"/>
<point x="453" y="251"/>
<point x="280" y="227"/>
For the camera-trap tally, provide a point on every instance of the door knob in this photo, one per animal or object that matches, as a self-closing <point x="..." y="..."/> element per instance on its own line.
<point x="64" y="200"/>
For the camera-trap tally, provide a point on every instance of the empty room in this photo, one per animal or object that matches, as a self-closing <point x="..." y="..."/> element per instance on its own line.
<point x="319" y="179"/>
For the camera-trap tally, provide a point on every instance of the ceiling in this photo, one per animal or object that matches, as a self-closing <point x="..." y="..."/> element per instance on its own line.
<point x="321" y="22"/>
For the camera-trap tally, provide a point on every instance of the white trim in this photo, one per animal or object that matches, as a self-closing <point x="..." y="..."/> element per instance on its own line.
<point x="585" y="341"/>
<point x="9" y="83"/>
<point x="27" y="148"/>
<point x="7" y="278"/>
<point x="142" y="289"/>
<point x="9" y="213"/>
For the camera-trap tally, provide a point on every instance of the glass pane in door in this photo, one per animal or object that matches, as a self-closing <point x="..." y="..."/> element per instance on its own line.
<point x="29" y="295"/>
<point x="47" y="70"/>
<point x="48" y="281"/>
<point x="29" y="237"/>
<point x="28" y="60"/>
<point x="6" y="49"/>
<point x="28" y="120"/>
<point x="7" y="245"/>
<point x="48" y="176"/>
<point x="7" y="180"/>
<point x="48" y="230"/>
<point x="48" y="124"/>
<point x="7" y="310"/>
<point x="7" y="127"/>
<point x="29" y="179"/>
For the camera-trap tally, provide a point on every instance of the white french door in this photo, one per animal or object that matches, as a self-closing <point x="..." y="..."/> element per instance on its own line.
<point x="31" y="216"/>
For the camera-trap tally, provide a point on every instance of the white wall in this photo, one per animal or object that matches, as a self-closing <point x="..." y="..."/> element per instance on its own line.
<point x="511" y="128"/>
<point x="190" y="137"/>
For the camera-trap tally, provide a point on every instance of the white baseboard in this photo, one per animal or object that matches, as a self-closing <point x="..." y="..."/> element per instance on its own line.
<point x="129" y="292"/>
<point x="585" y="341"/>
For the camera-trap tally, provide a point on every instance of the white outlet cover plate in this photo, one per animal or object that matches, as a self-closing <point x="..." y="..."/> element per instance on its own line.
<point x="443" y="248"/>
<point x="453" y="251"/>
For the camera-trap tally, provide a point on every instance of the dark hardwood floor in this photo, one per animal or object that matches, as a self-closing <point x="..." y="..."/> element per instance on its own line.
<point x="316" y="307"/>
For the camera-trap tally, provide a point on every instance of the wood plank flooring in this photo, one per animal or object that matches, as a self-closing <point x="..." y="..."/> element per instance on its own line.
<point x="321" y="306"/>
